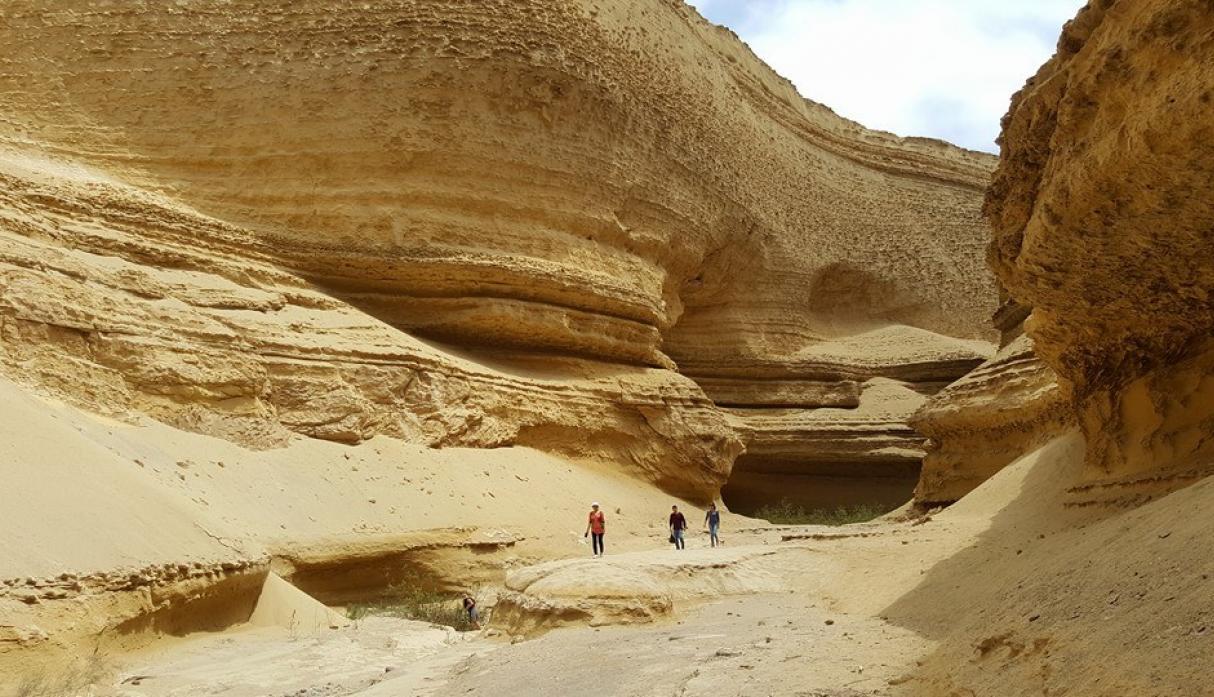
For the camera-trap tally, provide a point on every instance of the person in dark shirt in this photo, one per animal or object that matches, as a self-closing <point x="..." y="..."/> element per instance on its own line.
<point x="712" y="521"/>
<point x="470" y="608"/>
<point x="677" y="525"/>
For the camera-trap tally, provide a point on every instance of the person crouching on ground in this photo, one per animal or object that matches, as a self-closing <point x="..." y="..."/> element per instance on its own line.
<point x="596" y="525"/>
<point x="677" y="525"/>
<point x="470" y="608"/>
<point x="712" y="521"/>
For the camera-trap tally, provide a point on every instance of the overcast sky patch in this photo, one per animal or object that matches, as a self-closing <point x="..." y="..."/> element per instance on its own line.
<point x="938" y="68"/>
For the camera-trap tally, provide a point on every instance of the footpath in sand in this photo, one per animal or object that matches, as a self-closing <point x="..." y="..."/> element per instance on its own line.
<point x="1001" y="594"/>
<point x="777" y="611"/>
<point x="1008" y="592"/>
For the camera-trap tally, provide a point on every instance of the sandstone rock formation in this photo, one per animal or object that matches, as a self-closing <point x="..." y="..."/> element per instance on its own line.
<point x="1104" y="242"/>
<point x="126" y="302"/>
<point x="628" y="589"/>
<point x="1004" y="408"/>
<point x="259" y="219"/>
<point x="1103" y="224"/>
<point x="403" y="285"/>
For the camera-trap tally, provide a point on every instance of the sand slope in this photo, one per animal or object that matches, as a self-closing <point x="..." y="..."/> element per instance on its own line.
<point x="113" y="525"/>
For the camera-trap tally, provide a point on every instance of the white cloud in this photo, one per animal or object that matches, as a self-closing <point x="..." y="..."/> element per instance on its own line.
<point x="939" y="68"/>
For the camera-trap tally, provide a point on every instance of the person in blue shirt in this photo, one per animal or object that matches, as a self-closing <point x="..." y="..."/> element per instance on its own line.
<point x="712" y="521"/>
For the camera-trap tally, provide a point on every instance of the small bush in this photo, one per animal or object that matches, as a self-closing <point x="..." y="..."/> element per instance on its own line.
<point x="415" y="601"/>
<point x="788" y="513"/>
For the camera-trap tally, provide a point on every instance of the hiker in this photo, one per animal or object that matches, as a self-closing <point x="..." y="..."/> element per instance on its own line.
<point x="596" y="525"/>
<point x="712" y="521"/>
<point x="677" y="525"/>
<point x="470" y="608"/>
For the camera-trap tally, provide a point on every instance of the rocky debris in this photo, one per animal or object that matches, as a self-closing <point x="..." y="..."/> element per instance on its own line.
<point x="68" y="585"/>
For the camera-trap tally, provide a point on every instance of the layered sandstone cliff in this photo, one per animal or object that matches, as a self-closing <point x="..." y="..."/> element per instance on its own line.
<point x="1103" y="223"/>
<point x="128" y="303"/>
<point x="1003" y="409"/>
<point x="1090" y="578"/>
<point x="474" y="223"/>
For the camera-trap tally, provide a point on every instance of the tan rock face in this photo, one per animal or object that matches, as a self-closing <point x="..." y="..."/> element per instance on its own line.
<point x="1103" y="223"/>
<point x="252" y="219"/>
<point x="1004" y="408"/>
<point x="127" y="303"/>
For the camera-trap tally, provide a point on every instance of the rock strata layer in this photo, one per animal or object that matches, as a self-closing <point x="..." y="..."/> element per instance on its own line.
<point x="467" y="223"/>
<point x="1103" y="222"/>
<point x="1004" y="408"/>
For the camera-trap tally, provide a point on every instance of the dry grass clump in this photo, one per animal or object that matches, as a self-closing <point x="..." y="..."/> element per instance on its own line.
<point x="788" y="513"/>
<point x="416" y="601"/>
<point x="75" y="679"/>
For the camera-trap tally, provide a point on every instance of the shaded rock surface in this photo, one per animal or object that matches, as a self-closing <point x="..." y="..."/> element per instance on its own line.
<point x="1089" y="578"/>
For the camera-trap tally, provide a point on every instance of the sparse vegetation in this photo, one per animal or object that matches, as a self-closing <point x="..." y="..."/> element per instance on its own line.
<point x="417" y="601"/>
<point x="74" y="679"/>
<point x="788" y="513"/>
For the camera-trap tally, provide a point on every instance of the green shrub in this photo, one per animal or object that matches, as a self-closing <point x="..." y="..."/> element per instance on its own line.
<point x="415" y="601"/>
<point x="788" y="513"/>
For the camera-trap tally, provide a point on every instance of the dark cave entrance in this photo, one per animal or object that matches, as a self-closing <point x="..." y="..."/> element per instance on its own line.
<point x="759" y="484"/>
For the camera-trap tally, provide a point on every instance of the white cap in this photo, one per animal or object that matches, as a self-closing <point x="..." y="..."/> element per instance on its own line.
<point x="595" y="503"/>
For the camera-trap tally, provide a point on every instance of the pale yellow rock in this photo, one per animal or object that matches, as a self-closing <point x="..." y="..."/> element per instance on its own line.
<point x="629" y="588"/>
<point x="1102" y="220"/>
<point x="279" y="280"/>
<point x="1001" y="410"/>
<point x="247" y="238"/>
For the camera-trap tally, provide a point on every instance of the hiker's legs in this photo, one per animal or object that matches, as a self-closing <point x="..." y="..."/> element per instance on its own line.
<point x="712" y="534"/>
<point x="597" y="539"/>
<point x="678" y="539"/>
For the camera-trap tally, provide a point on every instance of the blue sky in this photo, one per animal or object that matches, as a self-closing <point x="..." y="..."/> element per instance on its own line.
<point x="939" y="68"/>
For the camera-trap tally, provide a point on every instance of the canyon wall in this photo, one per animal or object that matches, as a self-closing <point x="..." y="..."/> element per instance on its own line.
<point x="600" y="229"/>
<point x="1003" y="409"/>
<point x="1104" y="226"/>
<point x="1090" y="575"/>
<point x="1102" y="240"/>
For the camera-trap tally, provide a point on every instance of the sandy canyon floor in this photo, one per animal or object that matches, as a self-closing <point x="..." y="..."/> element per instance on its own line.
<point x="817" y="637"/>
<point x="792" y="610"/>
<point x="1014" y="590"/>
